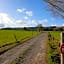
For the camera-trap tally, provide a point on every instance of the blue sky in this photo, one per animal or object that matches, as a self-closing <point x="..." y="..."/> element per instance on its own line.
<point x="23" y="13"/>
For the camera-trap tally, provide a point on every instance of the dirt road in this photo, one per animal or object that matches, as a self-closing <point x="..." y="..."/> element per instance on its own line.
<point x="36" y="54"/>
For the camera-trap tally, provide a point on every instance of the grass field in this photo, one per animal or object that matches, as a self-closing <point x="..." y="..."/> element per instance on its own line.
<point x="53" y="48"/>
<point x="8" y="36"/>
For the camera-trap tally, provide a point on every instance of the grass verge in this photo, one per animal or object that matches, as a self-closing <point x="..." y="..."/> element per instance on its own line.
<point x="53" y="48"/>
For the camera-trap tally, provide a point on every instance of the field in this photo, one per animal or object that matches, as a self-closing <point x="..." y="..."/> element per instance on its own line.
<point x="54" y="48"/>
<point x="11" y="36"/>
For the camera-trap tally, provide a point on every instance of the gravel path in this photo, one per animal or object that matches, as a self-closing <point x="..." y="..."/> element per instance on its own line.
<point x="37" y="54"/>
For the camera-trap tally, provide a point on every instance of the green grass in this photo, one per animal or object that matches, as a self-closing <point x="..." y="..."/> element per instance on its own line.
<point x="53" y="47"/>
<point x="7" y="36"/>
<point x="56" y="34"/>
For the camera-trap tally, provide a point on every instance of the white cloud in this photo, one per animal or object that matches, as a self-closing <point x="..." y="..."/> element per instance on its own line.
<point x="29" y="13"/>
<point x="21" y="10"/>
<point x="33" y="21"/>
<point x="19" y="22"/>
<point x="4" y="18"/>
<point x="45" y="20"/>
<point x="25" y="17"/>
<point x="53" y="25"/>
<point x="36" y="22"/>
<point x="25" y="11"/>
<point x="30" y="23"/>
<point x="42" y="21"/>
<point x="57" y="25"/>
<point x="7" y="21"/>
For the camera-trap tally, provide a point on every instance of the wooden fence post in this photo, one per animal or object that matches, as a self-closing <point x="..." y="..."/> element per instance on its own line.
<point x="62" y="48"/>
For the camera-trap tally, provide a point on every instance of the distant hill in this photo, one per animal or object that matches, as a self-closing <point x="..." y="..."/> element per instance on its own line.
<point x="50" y="28"/>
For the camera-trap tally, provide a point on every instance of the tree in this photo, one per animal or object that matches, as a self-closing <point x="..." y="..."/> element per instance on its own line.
<point x="39" y="27"/>
<point x="26" y="28"/>
<point x="56" y="6"/>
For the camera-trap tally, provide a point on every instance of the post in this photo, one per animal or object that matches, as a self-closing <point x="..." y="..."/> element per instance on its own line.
<point x="61" y="53"/>
<point x="62" y="48"/>
<point x="32" y="33"/>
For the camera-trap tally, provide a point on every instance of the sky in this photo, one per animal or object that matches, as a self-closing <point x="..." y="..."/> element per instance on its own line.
<point x="26" y="13"/>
